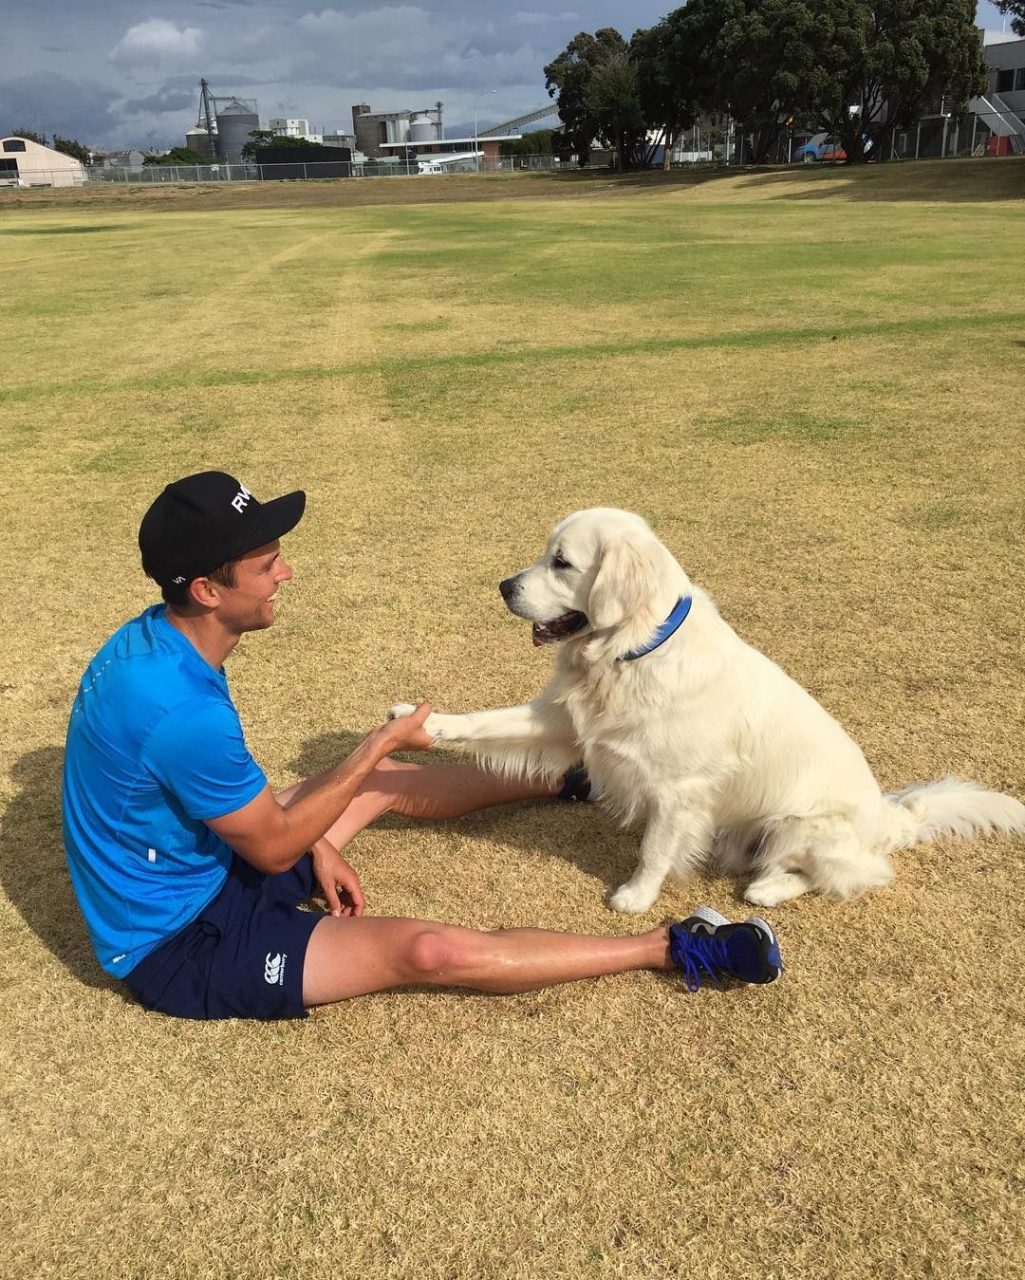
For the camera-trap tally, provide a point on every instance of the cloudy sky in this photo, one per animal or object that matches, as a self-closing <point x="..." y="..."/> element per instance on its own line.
<point x="120" y="74"/>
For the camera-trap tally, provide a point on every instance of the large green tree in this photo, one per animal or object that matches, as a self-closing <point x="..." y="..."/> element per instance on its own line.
<point x="879" y="66"/>
<point x="613" y="99"/>
<point x="748" y="59"/>
<point x="538" y="143"/>
<point x="71" y="147"/>
<point x="595" y="93"/>
<point x="666" y="83"/>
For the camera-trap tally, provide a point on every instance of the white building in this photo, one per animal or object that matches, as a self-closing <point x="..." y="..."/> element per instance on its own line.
<point x="289" y="128"/>
<point x="24" y="163"/>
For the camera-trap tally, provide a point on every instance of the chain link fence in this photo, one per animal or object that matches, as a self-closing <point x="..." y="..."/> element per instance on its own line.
<point x="939" y="136"/>
<point x="152" y="174"/>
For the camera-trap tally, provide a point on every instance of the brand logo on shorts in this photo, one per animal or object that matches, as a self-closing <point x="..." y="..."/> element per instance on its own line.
<point x="274" y="969"/>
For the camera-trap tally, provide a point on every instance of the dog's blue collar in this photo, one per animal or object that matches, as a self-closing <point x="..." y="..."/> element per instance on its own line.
<point x="668" y="628"/>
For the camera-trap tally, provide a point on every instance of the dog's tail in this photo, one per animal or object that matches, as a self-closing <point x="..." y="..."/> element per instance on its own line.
<point x="950" y="807"/>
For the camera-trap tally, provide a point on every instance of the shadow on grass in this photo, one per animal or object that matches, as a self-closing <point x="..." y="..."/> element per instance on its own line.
<point x="975" y="180"/>
<point x="580" y="834"/>
<point x="64" y="231"/>
<point x="34" y="872"/>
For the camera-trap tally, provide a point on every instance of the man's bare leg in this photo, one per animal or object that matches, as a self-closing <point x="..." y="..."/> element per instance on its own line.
<point x="350" y="957"/>
<point x="429" y="792"/>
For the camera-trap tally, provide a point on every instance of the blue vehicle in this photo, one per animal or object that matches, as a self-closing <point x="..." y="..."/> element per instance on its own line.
<point x="822" y="146"/>
<point x="825" y="147"/>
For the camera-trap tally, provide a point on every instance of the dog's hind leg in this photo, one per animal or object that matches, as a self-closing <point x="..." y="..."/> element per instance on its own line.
<point x="678" y="838"/>
<point x="771" y="890"/>
<point x="817" y="855"/>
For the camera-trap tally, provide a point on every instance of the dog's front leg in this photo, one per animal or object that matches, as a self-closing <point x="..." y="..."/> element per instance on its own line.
<point x="678" y="838"/>
<point x="527" y="725"/>
<point x="535" y="739"/>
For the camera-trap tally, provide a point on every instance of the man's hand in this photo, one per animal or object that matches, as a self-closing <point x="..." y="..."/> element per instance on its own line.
<point x="338" y="882"/>
<point x="405" y="728"/>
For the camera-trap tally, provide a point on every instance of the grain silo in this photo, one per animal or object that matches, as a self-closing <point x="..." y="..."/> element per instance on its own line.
<point x="236" y="120"/>
<point x="422" y="128"/>
<point x="198" y="140"/>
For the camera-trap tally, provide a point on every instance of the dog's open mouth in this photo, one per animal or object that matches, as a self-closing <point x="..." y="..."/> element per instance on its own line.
<point x="558" y="628"/>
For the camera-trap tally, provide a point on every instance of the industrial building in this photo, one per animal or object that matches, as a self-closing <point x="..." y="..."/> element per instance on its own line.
<point x="130" y="159"/>
<point x="24" y="163"/>
<point x="298" y="128"/>
<point x="375" y="130"/>
<point x="287" y="127"/>
<point x="223" y="127"/>
<point x="409" y="135"/>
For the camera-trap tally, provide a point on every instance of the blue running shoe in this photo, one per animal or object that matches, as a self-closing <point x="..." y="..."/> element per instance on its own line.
<point x="748" y="952"/>
<point x="703" y="920"/>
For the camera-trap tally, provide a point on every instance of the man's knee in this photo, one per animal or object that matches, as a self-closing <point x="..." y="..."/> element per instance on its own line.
<point x="441" y="954"/>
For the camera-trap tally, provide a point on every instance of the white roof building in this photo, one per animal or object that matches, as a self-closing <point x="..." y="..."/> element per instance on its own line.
<point x="24" y="163"/>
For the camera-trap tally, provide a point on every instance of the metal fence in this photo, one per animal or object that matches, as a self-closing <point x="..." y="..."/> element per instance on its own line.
<point x="933" y="137"/>
<point x="152" y="174"/>
<point x="939" y="136"/>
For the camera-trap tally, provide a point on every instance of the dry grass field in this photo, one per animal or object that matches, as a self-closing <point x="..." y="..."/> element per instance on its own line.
<point x="811" y="384"/>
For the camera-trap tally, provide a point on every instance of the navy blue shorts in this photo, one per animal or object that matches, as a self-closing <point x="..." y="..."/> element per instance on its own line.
<point x="242" y="957"/>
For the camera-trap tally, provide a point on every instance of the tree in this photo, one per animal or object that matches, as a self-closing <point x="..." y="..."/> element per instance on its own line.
<point x="260" y="138"/>
<point x="538" y="143"/>
<point x="178" y="155"/>
<point x="665" y="81"/>
<point x="30" y="134"/>
<point x="853" y="68"/>
<point x="879" y="66"/>
<point x="745" y="58"/>
<point x="69" y="147"/>
<point x="612" y="98"/>
<point x="568" y="78"/>
<point x="1017" y="8"/>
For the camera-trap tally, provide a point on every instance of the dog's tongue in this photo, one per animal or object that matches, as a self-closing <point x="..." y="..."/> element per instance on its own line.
<point x="557" y="628"/>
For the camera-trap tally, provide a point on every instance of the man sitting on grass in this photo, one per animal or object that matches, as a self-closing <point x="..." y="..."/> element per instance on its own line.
<point x="191" y="872"/>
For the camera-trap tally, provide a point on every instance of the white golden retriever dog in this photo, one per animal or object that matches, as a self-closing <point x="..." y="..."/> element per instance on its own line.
<point x="682" y="725"/>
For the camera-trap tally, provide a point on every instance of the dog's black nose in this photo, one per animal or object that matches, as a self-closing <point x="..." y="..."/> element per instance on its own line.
<point x="507" y="588"/>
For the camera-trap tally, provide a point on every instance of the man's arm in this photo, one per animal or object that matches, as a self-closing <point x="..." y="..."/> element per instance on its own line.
<point x="273" y="837"/>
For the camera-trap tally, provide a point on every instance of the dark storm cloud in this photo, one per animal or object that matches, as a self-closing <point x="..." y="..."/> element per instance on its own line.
<point x="169" y="98"/>
<point x="52" y="104"/>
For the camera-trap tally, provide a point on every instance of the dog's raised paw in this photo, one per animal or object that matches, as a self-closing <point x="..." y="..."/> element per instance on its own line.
<point x="631" y="899"/>
<point x="434" y="724"/>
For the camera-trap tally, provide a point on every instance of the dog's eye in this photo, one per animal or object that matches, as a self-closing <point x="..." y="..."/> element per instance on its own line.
<point x="559" y="563"/>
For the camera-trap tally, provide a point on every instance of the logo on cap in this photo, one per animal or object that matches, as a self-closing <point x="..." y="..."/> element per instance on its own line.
<point x="241" y="499"/>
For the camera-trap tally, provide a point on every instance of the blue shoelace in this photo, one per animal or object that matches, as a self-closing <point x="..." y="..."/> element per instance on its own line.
<point x="694" y="952"/>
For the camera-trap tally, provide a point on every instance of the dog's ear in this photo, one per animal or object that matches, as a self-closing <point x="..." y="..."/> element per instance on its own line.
<point x="627" y="582"/>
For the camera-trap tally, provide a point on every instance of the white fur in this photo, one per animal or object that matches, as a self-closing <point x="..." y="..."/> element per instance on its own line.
<point x="718" y="751"/>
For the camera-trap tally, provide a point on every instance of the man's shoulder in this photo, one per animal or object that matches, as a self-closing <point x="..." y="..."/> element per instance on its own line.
<point x="147" y="670"/>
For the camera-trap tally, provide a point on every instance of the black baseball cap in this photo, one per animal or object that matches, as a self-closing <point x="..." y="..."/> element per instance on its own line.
<point x="202" y="521"/>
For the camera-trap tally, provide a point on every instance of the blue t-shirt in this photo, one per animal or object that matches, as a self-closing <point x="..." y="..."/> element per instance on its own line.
<point x="154" y="748"/>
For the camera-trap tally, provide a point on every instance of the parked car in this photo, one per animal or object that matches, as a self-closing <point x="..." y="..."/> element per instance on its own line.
<point x="822" y="146"/>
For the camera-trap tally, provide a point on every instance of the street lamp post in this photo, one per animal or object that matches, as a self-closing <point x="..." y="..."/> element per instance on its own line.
<point x="476" y="156"/>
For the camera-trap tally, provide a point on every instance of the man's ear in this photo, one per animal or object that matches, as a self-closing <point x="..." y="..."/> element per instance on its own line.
<point x="203" y="591"/>
<point x="627" y="582"/>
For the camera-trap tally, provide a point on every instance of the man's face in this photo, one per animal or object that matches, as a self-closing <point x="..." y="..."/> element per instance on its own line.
<point x="249" y="604"/>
